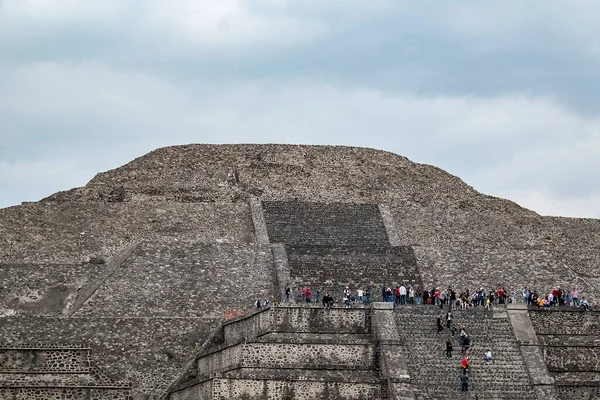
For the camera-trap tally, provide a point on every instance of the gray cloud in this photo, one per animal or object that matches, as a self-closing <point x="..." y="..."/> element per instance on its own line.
<point x="503" y="95"/>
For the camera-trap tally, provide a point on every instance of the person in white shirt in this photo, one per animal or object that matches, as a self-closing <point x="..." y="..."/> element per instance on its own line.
<point x="359" y="294"/>
<point x="402" y="294"/>
<point x="488" y="356"/>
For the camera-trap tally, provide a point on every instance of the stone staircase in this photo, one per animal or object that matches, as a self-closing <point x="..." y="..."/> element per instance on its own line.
<point x="332" y="268"/>
<point x="288" y="353"/>
<point x="36" y="372"/>
<point x="327" y="224"/>
<point x="333" y="245"/>
<point x="435" y="377"/>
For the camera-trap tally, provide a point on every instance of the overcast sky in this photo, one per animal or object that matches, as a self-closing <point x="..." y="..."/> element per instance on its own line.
<point x="504" y="94"/>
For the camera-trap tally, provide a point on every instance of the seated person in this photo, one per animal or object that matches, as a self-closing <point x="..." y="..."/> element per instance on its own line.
<point x="488" y="356"/>
<point x="584" y="303"/>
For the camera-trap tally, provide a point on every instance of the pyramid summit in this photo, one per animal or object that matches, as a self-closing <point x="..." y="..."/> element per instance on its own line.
<point x="137" y="270"/>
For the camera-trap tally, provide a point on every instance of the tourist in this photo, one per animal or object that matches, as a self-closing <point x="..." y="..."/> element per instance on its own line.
<point x="449" y="317"/>
<point x="411" y="296"/>
<point x="287" y="292"/>
<point x="439" y="323"/>
<point x="317" y="297"/>
<point x="464" y="383"/>
<point x="443" y="298"/>
<point x="403" y="294"/>
<point x="488" y="356"/>
<point x="367" y="296"/>
<point x="584" y="303"/>
<point x="466" y="342"/>
<point x="388" y="295"/>
<point x="465" y="365"/>
<point x="452" y="298"/>
<point x="327" y="301"/>
<point x="575" y="297"/>
<point x="307" y="295"/>
<point x="448" y="349"/>
<point x="526" y="296"/>
<point x="360" y="294"/>
<point x="257" y="303"/>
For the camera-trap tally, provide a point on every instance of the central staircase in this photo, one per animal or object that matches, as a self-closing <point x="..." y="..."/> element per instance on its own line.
<point x="436" y="377"/>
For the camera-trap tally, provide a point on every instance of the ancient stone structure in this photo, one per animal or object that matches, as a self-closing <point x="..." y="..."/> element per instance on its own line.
<point x="39" y="372"/>
<point x="144" y="263"/>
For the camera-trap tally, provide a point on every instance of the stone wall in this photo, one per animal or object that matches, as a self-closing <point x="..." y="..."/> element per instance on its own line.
<point x="203" y="390"/>
<point x="148" y="352"/>
<point x="45" y="289"/>
<point x="313" y="320"/>
<point x="470" y="233"/>
<point x="185" y="278"/>
<point x="71" y="360"/>
<point x="62" y="232"/>
<point x="471" y="267"/>
<point x="572" y="351"/>
<point x="64" y="393"/>
<point x="258" y="389"/>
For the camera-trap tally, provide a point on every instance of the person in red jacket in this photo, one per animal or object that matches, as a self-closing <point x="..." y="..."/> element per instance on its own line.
<point x="465" y="364"/>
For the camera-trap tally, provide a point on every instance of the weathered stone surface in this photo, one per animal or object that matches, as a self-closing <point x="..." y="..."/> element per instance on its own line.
<point x="572" y="349"/>
<point x="148" y="352"/>
<point x="202" y="204"/>
<point x="185" y="278"/>
<point x="64" y="232"/>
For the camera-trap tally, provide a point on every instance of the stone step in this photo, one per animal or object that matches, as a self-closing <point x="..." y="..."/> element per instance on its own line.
<point x="71" y="393"/>
<point x="44" y="360"/>
<point x="308" y="338"/>
<point x="435" y="376"/>
<point x="288" y="355"/>
<point x="228" y="389"/>
<point x="355" y="376"/>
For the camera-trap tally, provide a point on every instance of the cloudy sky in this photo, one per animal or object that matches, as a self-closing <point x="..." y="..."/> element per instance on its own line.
<point x="504" y="94"/>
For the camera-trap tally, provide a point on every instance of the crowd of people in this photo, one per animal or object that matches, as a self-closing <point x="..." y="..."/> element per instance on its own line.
<point x="555" y="297"/>
<point x="465" y="299"/>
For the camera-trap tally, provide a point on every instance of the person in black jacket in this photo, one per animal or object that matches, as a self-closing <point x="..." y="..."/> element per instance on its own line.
<point x="464" y="383"/>
<point x="448" y="349"/>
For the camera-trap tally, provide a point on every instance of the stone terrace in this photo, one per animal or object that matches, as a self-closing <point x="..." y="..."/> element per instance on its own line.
<point x="462" y="267"/>
<point x="55" y="371"/>
<point x="288" y="352"/>
<point x="148" y="352"/>
<point x="572" y="349"/>
<point x="48" y="290"/>
<point x="436" y="377"/>
<point x="71" y="233"/>
<point x="185" y="278"/>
